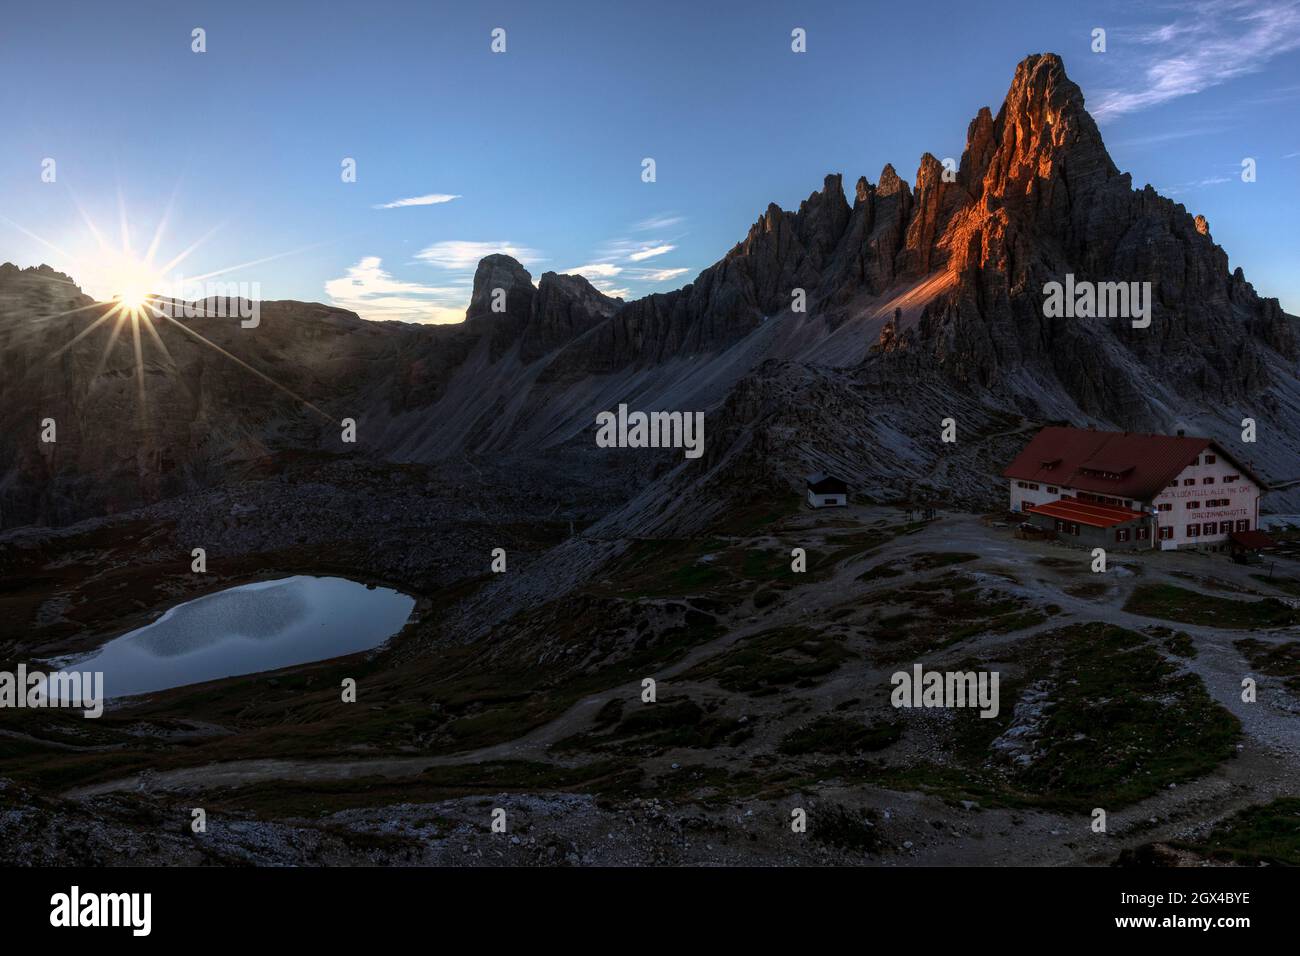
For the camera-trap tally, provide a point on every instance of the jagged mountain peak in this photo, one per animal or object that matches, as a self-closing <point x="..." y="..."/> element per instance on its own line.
<point x="890" y="182"/>
<point x="499" y="271"/>
<point x="539" y="318"/>
<point x="1040" y="86"/>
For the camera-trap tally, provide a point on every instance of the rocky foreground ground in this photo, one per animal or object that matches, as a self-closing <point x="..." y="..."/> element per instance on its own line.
<point x="523" y="694"/>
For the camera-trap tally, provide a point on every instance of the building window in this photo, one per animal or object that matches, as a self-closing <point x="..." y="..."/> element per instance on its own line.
<point x="1074" y="528"/>
<point x="1052" y="489"/>
<point x="1166" y="506"/>
<point x="1243" y="524"/>
<point x="1210" y="459"/>
<point x="1189" y="481"/>
<point x="1060" y="525"/>
<point x="1225" y="527"/>
<point x="1229" y="479"/>
<point x="1121" y="534"/>
<point x="1143" y="533"/>
<point x="1192" y="504"/>
<point x="1193" y="531"/>
<point x="1166" y="532"/>
<point x="1207" y="480"/>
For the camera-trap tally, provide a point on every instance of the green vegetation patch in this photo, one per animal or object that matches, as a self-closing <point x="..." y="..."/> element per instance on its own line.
<point x="929" y="560"/>
<point x="1276" y="660"/>
<point x="1181" y="645"/>
<point x="1089" y="590"/>
<point x="764" y="662"/>
<point x="841" y="736"/>
<point x="1125" y="722"/>
<point x="706" y="784"/>
<point x="1118" y="723"/>
<point x="951" y="608"/>
<point x="652" y="728"/>
<point x="1178" y="643"/>
<point x="1171" y="603"/>
<point x="838" y="826"/>
<point x="1262" y="834"/>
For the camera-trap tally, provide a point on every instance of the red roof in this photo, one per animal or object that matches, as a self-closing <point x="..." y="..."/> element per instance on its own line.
<point x="1252" y="540"/>
<point x="1085" y="512"/>
<point x="1119" y="464"/>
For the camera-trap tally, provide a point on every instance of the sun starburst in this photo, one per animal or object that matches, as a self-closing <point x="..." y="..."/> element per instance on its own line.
<point x="138" y="304"/>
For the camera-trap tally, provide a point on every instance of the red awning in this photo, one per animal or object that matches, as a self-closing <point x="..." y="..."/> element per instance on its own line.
<point x="1085" y="512"/>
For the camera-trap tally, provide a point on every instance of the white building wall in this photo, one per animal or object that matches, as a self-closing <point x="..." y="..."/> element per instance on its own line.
<point x="1242" y="495"/>
<point x="827" y="501"/>
<point x="1031" y="495"/>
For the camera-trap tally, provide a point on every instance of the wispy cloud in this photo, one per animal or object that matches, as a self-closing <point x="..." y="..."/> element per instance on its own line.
<point x="596" y="270"/>
<point x="1159" y="139"/>
<point x="610" y="289"/>
<point x="1195" y="184"/>
<point x="460" y="254"/>
<point x="650" y="252"/>
<point x="661" y="221"/>
<point x="374" y="294"/>
<point x="619" y="257"/>
<point x="432" y="199"/>
<point x="1212" y="43"/>
<point x="663" y="275"/>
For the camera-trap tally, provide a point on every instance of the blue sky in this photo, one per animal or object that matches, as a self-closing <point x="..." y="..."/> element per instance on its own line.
<point x="542" y="146"/>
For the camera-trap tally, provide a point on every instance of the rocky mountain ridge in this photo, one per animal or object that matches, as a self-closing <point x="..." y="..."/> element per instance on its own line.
<point x="919" y="299"/>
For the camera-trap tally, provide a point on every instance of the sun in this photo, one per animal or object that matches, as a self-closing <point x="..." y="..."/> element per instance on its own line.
<point x="134" y="282"/>
<point x="140" y="301"/>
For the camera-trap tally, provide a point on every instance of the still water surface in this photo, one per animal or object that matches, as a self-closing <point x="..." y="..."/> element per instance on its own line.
<point x="250" y="628"/>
